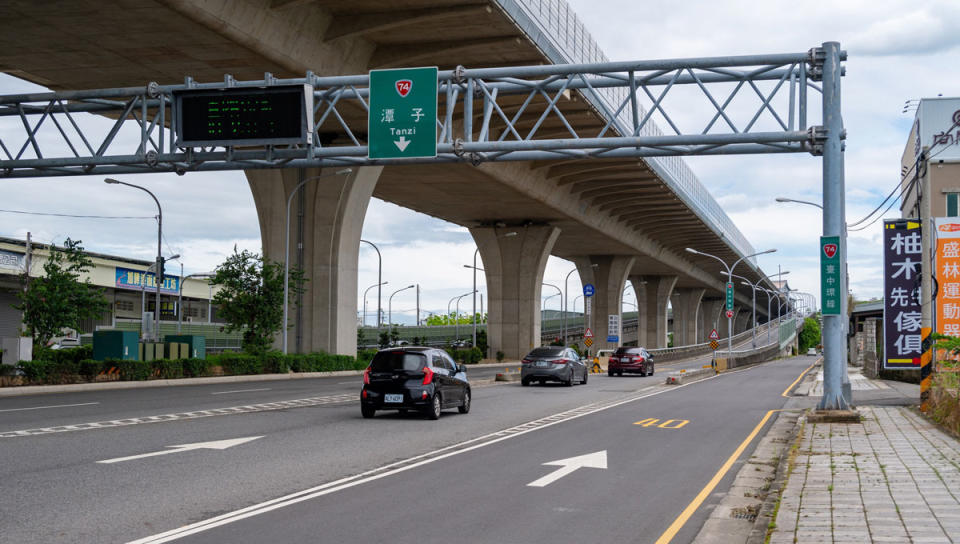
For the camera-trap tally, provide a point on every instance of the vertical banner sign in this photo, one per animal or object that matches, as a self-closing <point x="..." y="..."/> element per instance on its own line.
<point x="830" y="275"/>
<point x="729" y="297"/>
<point x="613" y="328"/>
<point x="402" y="122"/>
<point x="902" y="250"/>
<point x="947" y="266"/>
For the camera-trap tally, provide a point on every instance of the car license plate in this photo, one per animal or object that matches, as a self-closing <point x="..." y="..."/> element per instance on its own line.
<point x="625" y="360"/>
<point x="542" y="364"/>
<point x="393" y="398"/>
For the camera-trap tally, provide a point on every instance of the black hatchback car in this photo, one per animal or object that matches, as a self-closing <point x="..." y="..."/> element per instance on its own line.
<point x="414" y="378"/>
<point x="631" y="361"/>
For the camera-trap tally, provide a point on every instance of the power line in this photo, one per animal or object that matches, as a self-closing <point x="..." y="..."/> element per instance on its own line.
<point x="905" y="190"/>
<point x="21" y="212"/>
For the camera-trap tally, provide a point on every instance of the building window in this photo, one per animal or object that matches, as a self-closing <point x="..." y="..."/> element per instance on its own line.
<point x="124" y="305"/>
<point x="953" y="204"/>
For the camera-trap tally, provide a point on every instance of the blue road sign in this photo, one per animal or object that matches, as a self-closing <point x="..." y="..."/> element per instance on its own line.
<point x="588" y="290"/>
<point x="613" y="338"/>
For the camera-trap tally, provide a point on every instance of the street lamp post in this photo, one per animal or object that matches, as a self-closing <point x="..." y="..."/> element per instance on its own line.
<point x="159" y="272"/>
<point x="378" y="286"/>
<point x="729" y="281"/>
<point x="456" y="322"/>
<point x="380" y="282"/>
<point x="180" y="292"/>
<point x="390" y="306"/>
<point x="286" y="251"/>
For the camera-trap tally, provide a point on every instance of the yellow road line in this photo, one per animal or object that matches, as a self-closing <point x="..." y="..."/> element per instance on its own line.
<point x="786" y="392"/>
<point x="678" y="523"/>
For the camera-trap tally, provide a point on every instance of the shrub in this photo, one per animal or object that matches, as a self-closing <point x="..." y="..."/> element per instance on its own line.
<point x="196" y="368"/>
<point x="500" y="356"/>
<point x="130" y="370"/>
<point x="34" y="371"/>
<point x="365" y="356"/>
<point x="238" y="363"/>
<point x="89" y="368"/>
<point x="166" y="368"/>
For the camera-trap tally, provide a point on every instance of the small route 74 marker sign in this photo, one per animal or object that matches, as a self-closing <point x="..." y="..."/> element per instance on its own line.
<point x="402" y="122"/>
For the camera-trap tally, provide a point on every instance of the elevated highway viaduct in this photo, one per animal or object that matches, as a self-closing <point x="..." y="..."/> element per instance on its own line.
<point x="617" y="220"/>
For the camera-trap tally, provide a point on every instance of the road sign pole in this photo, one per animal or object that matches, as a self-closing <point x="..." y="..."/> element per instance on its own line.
<point x="834" y="224"/>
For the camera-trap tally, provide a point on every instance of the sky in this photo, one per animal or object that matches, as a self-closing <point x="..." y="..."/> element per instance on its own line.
<point x="898" y="50"/>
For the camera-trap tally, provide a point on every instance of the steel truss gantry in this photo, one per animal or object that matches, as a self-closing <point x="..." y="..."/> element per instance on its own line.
<point x="491" y="114"/>
<point x="504" y="121"/>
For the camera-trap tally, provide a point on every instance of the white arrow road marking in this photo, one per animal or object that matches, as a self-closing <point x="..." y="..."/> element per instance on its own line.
<point x="591" y="460"/>
<point x="402" y="143"/>
<point x="216" y="445"/>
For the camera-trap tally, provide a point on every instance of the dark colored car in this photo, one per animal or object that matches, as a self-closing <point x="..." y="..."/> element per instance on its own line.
<point x="631" y="361"/>
<point x="553" y="363"/>
<point x="414" y="378"/>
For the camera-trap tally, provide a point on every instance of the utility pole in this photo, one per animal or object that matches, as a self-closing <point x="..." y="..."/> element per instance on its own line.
<point x="27" y="261"/>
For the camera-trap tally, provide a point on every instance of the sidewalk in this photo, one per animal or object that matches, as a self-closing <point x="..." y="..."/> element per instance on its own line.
<point x="893" y="477"/>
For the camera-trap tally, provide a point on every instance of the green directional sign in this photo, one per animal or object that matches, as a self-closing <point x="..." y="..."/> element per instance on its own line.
<point x="402" y="123"/>
<point x="729" y="296"/>
<point x="830" y="270"/>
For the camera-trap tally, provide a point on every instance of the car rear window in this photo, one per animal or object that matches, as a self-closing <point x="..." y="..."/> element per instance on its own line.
<point x="391" y="361"/>
<point x="546" y="352"/>
<point x="628" y="351"/>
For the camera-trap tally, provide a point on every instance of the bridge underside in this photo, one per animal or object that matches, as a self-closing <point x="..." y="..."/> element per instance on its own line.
<point x="600" y="208"/>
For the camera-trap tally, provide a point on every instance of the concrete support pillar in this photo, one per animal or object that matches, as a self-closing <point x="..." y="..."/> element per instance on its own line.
<point x="329" y="220"/>
<point x="513" y="266"/>
<point x="711" y="315"/>
<point x="686" y="304"/>
<point x="744" y="320"/>
<point x="658" y="290"/>
<point x="609" y="277"/>
<point x="639" y="287"/>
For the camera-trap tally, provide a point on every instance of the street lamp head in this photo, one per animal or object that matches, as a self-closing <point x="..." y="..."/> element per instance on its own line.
<point x="691" y="250"/>
<point x="782" y="199"/>
<point x="767" y="251"/>
<point x="344" y="172"/>
<point x="410" y="287"/>
<point x="173" y="257"/>
<point x="111" y="181"/>
<point x="510" y="234"/>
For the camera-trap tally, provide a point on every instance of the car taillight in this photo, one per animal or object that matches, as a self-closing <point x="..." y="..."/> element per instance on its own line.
<point x="427" y="375"/>
<point x="560" y="361"/>
<point x="366" y="376"/>
<point x="638" y="359"/>
<point x="527" y="361"/>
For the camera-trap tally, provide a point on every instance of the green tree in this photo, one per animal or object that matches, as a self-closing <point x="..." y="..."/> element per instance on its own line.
<point x="59" y="299"/>
<point x="251" y="297"/>
<point x="810" y="335"/>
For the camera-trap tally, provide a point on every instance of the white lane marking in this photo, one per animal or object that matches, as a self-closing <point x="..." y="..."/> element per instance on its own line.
<point x="48" y="407"/>
<point x="393" y="468"/>
<point x="597" y="459"/>
<point x="215" y="445"/>
<point x="240" y="391"/>
<point x="263" y="407"/>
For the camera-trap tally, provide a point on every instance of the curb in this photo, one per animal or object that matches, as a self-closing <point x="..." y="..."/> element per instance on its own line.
<point x="23" y="390"/>
<point x="745" y="517"/>
<point x="679" y="378"/>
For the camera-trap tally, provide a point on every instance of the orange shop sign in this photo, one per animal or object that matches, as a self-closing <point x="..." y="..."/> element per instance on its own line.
<point x="948" y="275"/>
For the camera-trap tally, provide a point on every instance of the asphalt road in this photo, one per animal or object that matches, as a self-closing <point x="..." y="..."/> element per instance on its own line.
<point x="57" y="489"/>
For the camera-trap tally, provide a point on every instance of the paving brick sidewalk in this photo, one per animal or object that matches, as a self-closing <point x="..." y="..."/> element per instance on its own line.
<point x="893" y="477"/>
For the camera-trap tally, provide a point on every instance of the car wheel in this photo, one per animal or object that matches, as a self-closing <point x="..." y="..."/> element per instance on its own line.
<point x="584" y="381"/>
<point x="367" y="412"/>
<point x="525" y="382"/>
<point x="610" y="373"/>
<point x="433" y="412"/>
<point x="651" y="371"/>
<point x="465" y="407"/>
<point x="569" y="381"/>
